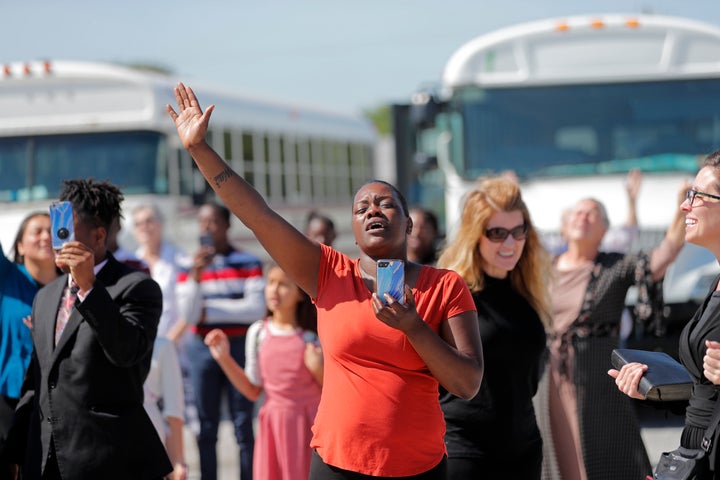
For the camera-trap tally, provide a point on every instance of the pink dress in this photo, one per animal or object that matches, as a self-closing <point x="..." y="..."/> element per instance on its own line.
<point x="282" y="444"/>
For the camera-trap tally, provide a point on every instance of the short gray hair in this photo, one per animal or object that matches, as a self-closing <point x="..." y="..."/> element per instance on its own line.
<point x="601" y="209"/>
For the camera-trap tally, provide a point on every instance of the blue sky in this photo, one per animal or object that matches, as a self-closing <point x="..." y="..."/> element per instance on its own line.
<point x="345" y="56"/>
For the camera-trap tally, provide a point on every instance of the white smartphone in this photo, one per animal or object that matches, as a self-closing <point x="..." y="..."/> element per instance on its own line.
<point x="391" y="280"/>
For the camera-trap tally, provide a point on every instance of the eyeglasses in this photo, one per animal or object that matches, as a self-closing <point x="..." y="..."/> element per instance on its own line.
<point x="692" y="193"/>
<point x="146" y="221"/>
<point x="499" y="234"/>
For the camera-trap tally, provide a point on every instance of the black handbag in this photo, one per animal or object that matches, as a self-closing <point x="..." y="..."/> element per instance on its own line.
<point x="683" y="464"/>
<point x="689" y="463"/>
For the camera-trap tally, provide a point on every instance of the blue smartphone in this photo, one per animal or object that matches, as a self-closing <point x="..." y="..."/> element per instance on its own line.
<point x="391" y="280"/>
<point x="62" y="228"/>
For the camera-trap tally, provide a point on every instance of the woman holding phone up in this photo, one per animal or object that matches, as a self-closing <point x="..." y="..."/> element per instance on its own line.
<point x="379" y="414"/>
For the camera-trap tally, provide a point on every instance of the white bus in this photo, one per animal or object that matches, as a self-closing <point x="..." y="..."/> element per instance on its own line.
<point x="64" y="120"/>
<point x="571" y="105"/>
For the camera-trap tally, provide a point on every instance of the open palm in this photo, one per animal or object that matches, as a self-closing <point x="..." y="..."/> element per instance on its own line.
<point x="191" y="122"/>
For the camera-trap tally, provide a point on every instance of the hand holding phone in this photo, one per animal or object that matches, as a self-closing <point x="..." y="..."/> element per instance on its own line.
<point x="391" y="280"/>
<point x="62" y="227"/>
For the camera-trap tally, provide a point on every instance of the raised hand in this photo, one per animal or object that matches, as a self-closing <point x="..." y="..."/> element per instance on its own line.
<point x="218" y="344"/>
<point x="632" y="184"/>
<point x="191" y="122"/>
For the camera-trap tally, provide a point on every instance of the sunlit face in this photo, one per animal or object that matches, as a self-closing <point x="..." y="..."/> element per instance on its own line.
<point x="36" y="242"/>
<point x="702" y="218"/>
<point x="281" y="293"/>
<point x="147" y="227"/>
<point x="585" y="223"/>
<point x="379" y="222"/>
<point x="211" y="221"/>
<point x="421" y="240"/>
<point x="320" y="231"/>
<point x="499" y="258"/>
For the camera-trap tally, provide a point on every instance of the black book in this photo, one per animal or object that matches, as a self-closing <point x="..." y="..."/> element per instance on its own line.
<point x="665" y="379"/>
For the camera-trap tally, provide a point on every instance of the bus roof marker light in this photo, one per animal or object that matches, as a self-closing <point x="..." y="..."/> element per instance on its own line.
<point x="26" y="69"/>
<point x="597" y="24"/>
<point x="47" y="67"/>
<point x="562" y="27"/>
<point x="6" y="71"/>
<point x="632" y="23"/>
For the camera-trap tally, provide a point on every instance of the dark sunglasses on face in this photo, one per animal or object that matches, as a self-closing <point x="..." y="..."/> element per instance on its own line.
<point x="692" y="193"/>
<point x="499" y="234"/>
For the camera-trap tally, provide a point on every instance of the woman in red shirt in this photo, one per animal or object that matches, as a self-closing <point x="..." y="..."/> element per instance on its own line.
<point x="379" y="414"/>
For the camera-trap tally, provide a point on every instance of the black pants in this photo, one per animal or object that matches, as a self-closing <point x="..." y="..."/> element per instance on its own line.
<point x="7" y="409"/>
<point x="525" y="467"/>
<point x="51" y="467"/>
<point x="319" y="470"/>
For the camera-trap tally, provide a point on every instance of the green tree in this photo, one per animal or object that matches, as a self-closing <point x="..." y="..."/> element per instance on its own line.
<point x="382" y="119"/>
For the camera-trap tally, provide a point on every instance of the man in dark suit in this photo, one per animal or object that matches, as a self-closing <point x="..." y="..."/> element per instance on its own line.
<point x="81" y="415"/>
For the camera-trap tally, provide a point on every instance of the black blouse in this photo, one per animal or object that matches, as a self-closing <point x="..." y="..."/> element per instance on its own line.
<point x="502" y="414"/>
<point x="705" y="325"/>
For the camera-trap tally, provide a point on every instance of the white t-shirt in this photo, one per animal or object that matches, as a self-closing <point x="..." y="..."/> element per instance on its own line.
<point x="253" y="339"/>
<point x="164" y="381"/>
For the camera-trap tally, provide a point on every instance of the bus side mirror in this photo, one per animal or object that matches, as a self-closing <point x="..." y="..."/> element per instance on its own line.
<point x="423" y="110"/>
<point x="424" y="162"/>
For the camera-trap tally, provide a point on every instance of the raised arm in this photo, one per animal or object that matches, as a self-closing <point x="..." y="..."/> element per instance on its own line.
<point x="632" y="188"/>
<point x="293" y="252"/>
<point x="219" y="347"/>
<point x="665" y="253"/>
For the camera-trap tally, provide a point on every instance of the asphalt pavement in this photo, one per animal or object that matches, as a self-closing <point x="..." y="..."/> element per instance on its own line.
<point x="660" y="431"/>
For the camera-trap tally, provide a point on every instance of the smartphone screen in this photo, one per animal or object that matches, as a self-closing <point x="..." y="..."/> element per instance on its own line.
<point x="206" y="240"/>
<point x="62" y="228"/>
<point x="391" y="280"/>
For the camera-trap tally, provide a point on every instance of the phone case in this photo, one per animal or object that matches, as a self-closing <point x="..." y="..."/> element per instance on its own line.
<point x="391" y="279"/>
<point x="62" y="228"/>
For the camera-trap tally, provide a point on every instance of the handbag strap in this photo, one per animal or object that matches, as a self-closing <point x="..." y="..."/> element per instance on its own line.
<point x="712" y="426"/>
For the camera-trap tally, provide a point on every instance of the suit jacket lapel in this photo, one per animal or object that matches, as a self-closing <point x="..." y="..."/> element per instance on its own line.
<point x="106" y="276"/>
<point x="47" y="314"/>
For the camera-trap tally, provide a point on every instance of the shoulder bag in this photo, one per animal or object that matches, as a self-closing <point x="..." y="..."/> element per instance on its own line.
<point x="690" y="463"/>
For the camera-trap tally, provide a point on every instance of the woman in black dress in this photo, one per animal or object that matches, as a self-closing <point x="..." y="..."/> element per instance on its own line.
<point x="498" y="253"/>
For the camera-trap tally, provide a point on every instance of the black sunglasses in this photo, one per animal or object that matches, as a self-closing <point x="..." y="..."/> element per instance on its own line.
<point x="692" y="193"/>
<point x="499" y="234"/>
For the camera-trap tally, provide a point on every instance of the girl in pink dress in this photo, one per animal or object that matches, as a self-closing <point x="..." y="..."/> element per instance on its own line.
<point x="282" y="358"/>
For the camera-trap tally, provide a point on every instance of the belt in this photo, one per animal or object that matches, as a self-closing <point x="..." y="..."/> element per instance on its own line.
<point x="236" y="331"/>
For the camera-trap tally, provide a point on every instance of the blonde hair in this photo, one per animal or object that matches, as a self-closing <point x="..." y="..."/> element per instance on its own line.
<point x="462" y="254"/>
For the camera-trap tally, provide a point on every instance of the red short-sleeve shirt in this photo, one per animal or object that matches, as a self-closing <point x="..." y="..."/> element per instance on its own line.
<point x="379" y="413"/>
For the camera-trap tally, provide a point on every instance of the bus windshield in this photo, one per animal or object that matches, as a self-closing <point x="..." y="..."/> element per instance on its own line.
<point x="577" y="130"/>
<point x="33" y="167"/>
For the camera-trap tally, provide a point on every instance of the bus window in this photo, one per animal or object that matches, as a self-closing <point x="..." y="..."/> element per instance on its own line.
<point x="247" y="158"/>
<point x="227" y="146"/>
<point x="305" y="182"/>
<point x="13" y="169"/>
<point x="39" y="164"/>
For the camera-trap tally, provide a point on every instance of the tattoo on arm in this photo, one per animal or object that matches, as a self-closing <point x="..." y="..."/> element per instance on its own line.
<point x="222" y="177"/>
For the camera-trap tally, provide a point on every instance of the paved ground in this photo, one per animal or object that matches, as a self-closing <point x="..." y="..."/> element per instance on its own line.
<point x="660" y="432"/>
<point x="227" y="454"/>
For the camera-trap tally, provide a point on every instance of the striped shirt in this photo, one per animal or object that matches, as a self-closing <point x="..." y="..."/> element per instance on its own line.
<point x="230" y="295"/>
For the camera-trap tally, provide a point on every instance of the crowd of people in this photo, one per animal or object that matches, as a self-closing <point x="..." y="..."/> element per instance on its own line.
<point x="492" y="363"/>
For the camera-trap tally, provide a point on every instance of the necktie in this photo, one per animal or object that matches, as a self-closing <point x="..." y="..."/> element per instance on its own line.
<point x="66" y="306"/>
